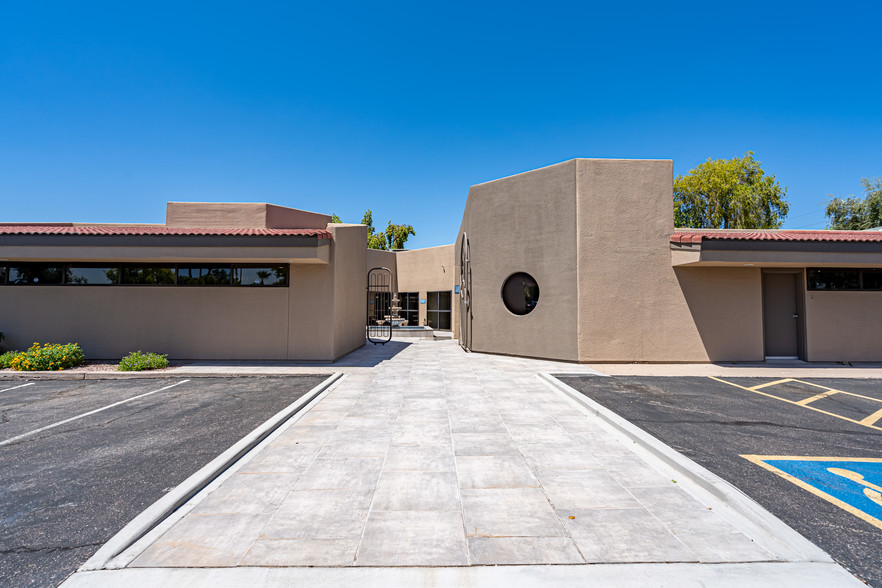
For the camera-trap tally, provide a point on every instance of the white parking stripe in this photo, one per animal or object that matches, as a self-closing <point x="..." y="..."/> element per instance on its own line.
<point x="17" y="387"/>
<point x="85" y="414"/>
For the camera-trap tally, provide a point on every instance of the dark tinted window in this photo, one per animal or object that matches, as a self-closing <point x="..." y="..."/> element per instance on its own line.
<point x="520" y="293"/>
<point x="35" y="274"/>
<point x="203" y="275"/>
<point x="3" y="272"/>
<point x="871" y="279"/>
<point x="438" y="310"/>
<point x="81" y="276"/>
<point x="276" y="275"/>
<point x="410" y="309"/>
<point x="833" y="279"/>
<point x="148" y="275"/>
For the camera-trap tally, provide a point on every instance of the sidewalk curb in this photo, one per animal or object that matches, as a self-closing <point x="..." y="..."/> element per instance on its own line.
<point x="69" y="376"/>
<point x="618" y="575"/>
<point x="160" y="510"/>
<point x="772" y="529"/>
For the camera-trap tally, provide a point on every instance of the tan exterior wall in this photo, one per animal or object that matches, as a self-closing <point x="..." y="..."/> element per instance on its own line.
<point x="524" y="223"/>
<point x="320" y="316"/>
<point x="843" y="326"/>
<point x="350" y="287"/>
<point x="186" y="323"/>
<point x="726" y="307"/>
<point x="595" y="234"/>
<point x="241" y="215"/>
<point x="430" y="270"/>
<point x="631" y="307"/>
<point x="327" y="302"/>
<point x="381" y="258"/>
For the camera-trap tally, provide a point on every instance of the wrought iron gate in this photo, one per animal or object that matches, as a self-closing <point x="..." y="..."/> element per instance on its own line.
<point x="379" y="305"/>
<point x="465" y="294"/>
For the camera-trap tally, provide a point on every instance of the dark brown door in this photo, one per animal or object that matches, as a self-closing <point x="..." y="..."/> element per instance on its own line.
<point x="780" y="315"/>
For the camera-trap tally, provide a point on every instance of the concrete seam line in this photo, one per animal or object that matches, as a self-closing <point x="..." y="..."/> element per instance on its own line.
<point x="161" y="510"/>
<point x="772" y="528"/>
<point x="85" y="414"/>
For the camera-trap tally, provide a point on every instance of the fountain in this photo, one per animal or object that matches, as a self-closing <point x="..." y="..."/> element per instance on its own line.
<point x="395" y="320"/>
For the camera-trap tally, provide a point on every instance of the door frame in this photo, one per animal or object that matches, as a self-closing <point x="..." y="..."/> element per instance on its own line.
<point x="800" y="307"/>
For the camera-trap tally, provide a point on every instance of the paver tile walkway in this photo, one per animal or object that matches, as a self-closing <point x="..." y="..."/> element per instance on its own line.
<point x="435" y="457"/>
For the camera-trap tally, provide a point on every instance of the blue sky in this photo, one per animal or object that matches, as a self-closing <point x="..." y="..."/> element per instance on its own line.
<point x="110" y="109"/>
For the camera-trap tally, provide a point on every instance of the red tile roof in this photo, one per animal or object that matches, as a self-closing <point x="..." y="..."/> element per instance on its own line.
<point x="696" y="236"/>
<point x="72" y="229"/>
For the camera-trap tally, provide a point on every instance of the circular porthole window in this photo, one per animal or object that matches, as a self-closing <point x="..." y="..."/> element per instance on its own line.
<point x="520" y="293"/>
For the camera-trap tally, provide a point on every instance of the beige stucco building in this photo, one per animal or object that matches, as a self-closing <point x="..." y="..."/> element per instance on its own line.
<point x="216" y="281"/>
<point x="618" y="283"/>
<point x="578" y="261"/>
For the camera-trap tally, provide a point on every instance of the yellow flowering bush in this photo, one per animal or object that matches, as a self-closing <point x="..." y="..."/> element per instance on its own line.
<point x="50" y="356"/>
<point x="7" y="358"/>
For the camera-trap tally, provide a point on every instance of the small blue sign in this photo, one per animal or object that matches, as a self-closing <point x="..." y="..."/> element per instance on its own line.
<point x="456" y="289"/>
<point x="422" y="300"/>
<point x="854" y="484"/>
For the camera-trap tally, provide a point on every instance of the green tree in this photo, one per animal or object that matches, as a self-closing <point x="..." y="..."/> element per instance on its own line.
<point x="857" y="214"/>
<point x="396" y="235"/>
<point x="375" y="240"/>
<point x="335" y="218"/>
<point x="729" y="194"/>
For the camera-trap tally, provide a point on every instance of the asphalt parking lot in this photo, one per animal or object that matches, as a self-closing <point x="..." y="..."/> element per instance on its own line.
<point x="809" y="450"/>
<point x="79" y="459"/>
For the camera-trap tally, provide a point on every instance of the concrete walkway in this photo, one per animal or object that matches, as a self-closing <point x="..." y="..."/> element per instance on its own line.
<point x="425" y="464"/>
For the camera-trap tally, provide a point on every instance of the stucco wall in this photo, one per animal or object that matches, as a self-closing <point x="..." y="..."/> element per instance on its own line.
<point x="320" y="316"/>
<point x="631" y="307"/>
<point x="241" y="215"/>
<point x="186" y="323"/>
<point x="595" y="234"/>
<point x="726" y="306"/>
<point x="843" y="326"/>
<point x="429" y="270"/>
<point x="350" y="283"/>
<point x="524" y="223"/>
<point x="380" y="258"/>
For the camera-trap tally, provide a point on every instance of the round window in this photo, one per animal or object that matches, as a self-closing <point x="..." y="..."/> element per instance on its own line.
<point x="520" y="292"/>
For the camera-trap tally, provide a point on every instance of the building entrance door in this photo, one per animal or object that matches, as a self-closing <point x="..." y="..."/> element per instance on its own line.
<point x="781" y="307"/>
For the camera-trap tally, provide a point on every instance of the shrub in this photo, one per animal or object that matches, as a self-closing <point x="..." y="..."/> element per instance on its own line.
<point x="137" y="361"/>
<point x="6" y="359"/>
<point x="51" y="356"/>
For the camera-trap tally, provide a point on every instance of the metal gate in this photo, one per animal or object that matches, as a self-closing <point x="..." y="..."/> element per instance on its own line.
<point x="379" y="305"/>
<point x="465" y="294"/>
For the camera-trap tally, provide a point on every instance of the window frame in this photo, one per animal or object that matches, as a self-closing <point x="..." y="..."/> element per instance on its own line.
<point x="282" y="281"/>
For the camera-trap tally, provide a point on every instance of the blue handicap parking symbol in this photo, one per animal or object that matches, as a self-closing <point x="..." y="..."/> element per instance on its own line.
<point x="853" y="483"/>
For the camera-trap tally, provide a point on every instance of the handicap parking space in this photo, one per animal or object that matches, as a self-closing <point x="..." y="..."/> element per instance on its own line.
<point x="808" y="449"/>
<point x="852" y="484"/>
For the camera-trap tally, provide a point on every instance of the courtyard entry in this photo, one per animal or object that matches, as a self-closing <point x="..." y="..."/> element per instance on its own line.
<point x="379" y="305"/>
<point x="782" y="314"/>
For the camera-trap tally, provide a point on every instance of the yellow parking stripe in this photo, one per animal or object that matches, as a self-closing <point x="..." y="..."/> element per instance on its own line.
<point x="873" y="418"/>
<point x="767" y="384"/>
<point x="806" y="401"/>
<point x="832" y="414"/>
